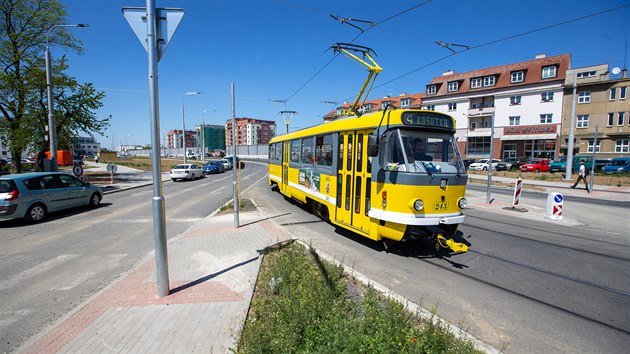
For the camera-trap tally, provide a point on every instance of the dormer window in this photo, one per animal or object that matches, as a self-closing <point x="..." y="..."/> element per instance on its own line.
<point x="549" y="71"/>
<point x="489" y="81"/>
<point x="431" y="90"/>
<point x="517" y="76"/>
<point x="405" y="102"/>
<point x="453" y="86"/>
<point x="476" y="82"/>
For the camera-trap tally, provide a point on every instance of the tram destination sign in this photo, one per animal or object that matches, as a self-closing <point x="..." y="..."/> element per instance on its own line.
<point x="427" y="119"/>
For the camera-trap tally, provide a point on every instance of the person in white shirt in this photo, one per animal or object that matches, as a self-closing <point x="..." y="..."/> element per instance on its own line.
<point x="581" y="177"/>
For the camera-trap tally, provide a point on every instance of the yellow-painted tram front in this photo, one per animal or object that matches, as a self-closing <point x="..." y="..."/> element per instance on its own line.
<point x="367" y="174"/>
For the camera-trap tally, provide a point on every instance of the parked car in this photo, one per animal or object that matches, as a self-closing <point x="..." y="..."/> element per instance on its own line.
<point x="482" y="165"/>
<point x="213" y="166"/>
<point x="33" y="195"/>
<point x="560" y="165"/>
<point x="186" y="171"/>
<point x="617" y="165"/>
<point x="515" y="162"/>
<point x="536" y="165"/>
<point x="503" y="166"/>
<point x="239" y="163"/>
<point x="227" y="164"/>
<point x="467" y="162"/>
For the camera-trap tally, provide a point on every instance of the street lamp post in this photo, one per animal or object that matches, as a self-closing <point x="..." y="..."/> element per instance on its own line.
<point x="52" y="130"/>
<point x="184" y="124"/>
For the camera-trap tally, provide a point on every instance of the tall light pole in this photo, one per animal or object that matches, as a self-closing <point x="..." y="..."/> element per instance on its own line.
<point x="52" y="130"/>
<point x="184" y="124"/>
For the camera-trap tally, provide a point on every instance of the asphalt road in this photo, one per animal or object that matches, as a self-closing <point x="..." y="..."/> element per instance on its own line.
<point x="526" y="285"/>
<point x="48" y="269"/>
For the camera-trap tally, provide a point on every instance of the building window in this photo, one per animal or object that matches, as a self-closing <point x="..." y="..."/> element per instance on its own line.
<point x="622" y="92"/>
<point x="430" y="107"/>
<point x="586" y="74"/>
<point x="613" y="93"/>
<point x="582" y="121"/>
<point x="514" y="100"/>
<point x="590" y="146"/>
<point x="546" y="96"/>
<point x="475" y="83"/>
<point x="452" y="106"/>
<point x="620" y="118"/>
<point x="384" y="104"/>
<point x="453" y="86"/>
<point x="517" y="76"/>
<point x="515" y="120"/>
<point x="622" y="145"/>
<point x="546" y="118"/>
<point x="611" y="119"/>
<point x="584" y="97"/>
<point x="489" y="81"/>
<point x="405" y="102"/>
<point x="549" y="72"/>
<point x="431" y="90"/>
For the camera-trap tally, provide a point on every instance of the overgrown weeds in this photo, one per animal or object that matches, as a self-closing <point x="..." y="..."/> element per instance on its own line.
<point x="304" y="304"/>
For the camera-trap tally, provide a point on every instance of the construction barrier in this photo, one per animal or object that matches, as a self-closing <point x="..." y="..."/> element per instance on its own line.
<point x="554" y="206"/>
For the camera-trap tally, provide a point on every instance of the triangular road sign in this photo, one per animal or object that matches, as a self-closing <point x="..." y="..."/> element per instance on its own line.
<point x="167" y="21"/>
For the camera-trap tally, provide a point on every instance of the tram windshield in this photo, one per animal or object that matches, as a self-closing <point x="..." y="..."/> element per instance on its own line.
<point x="422" y="152"/>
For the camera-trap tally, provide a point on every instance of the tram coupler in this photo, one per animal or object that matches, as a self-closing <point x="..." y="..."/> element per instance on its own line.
<point x="450" y="244"/>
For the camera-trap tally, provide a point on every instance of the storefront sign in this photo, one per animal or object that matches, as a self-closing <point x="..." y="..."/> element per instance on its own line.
<point x="530" y="129"/>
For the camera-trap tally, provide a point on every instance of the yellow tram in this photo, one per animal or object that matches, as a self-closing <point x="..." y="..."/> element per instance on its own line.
<point x="363" y="174"/>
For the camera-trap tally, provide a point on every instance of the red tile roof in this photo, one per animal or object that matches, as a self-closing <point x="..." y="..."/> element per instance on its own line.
<point x="532" y="70"/>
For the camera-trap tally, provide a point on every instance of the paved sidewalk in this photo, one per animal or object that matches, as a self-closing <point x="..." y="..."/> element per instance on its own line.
<point x="213" y="269"/>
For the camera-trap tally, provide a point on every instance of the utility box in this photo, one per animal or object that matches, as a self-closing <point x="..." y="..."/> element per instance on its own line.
<point x="64" y="157"/>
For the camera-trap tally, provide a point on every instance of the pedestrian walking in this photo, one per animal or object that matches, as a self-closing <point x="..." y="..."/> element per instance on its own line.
<point x="581" y="177"/>
<point x="96" y="158"/>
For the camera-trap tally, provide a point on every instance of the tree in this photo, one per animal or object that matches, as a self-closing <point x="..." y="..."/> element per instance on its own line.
<point x="24" y="27"/>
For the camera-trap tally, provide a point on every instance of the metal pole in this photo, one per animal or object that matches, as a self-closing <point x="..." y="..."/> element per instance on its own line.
<point x="203" y="139"/>
<point x="594" y="165"/>
<point x="569" y="168"/>
<point x="489" y="192"/>
<point x="52" y="130"/>
<point x="184" y="131"/>
<point x="159" y="215"/>
<point x="236" y="200"/>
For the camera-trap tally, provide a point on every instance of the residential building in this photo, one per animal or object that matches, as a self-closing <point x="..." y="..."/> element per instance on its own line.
<point x="4" y="148"/>
<point x="403" y="100"/>
<point x="174" y="139"/>
<point x="522" y="101"/>
<point x="250" y="131"/>
<point x="602" y="104"/>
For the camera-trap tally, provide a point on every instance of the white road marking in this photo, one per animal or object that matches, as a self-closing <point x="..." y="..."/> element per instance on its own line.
<point x="36" y="270"/>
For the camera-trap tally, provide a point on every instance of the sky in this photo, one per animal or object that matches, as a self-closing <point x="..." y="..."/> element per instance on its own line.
<point x="279" y="50"/>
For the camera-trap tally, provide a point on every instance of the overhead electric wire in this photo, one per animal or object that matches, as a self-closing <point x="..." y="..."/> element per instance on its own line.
<point x="501" y="40"/>
<point x="352" y="41"/>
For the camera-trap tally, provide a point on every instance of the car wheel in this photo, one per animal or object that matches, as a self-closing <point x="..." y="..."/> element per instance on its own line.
<point x="36" y="213"/>
<point x="173" y="179"/>
<point x="95" y="200"/>
<point x="485" y="168"/>
<point x="537" y="170"/>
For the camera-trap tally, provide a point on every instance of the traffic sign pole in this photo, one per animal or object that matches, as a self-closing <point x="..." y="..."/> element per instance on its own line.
<point x="155" y="28"/>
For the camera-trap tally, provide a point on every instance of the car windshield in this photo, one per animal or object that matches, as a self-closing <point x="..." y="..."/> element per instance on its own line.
<point x="421" y="152"/>
<point x="181" y="167"/>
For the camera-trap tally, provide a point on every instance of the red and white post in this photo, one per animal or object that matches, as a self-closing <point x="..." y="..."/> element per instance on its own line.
<point x="517" y="192"/>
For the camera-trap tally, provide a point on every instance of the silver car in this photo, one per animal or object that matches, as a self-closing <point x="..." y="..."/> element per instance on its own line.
<point x="33" y="195"/>
<point x="189" y="171"/>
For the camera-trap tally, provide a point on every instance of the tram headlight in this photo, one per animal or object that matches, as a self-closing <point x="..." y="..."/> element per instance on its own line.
<point x="462" y="203"/>
<point x="418" y="205"/>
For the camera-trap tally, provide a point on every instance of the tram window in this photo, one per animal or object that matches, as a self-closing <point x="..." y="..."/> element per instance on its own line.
<point x="339" y="189"/>
<point x="308" y="155"/>
<point x="348" y="190"/>
<point x="323" y="150"/>
<point x="296" y="149"/>
<point x="278" y="151"/>
<point x="357" y="196"/>
<point x="349" y="153"/>
<point x="360" y="153"/>
<point x="368" y="194"/>
<point x="340" y="160"/>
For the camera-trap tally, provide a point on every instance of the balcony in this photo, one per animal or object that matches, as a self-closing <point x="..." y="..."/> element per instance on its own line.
<point x="481" y="111"/>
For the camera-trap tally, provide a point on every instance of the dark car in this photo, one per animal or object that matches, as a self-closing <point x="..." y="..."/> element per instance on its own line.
<point x="214" y="166"/>
<point x="503" y="166"/>
<point x="467" y="162"/>
<point x="515" y="162"/>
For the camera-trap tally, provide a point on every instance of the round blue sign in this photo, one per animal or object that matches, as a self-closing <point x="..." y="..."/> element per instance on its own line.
<point x="558" y="198"/>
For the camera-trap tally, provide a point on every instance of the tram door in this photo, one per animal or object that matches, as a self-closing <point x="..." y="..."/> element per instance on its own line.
<point x="286" y="153"/>
<point x="353" y="181"/>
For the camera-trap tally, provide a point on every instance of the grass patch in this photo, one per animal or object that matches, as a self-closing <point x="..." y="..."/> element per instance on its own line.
<point x="304" y="304"/>
<point x="246" y="205"/>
